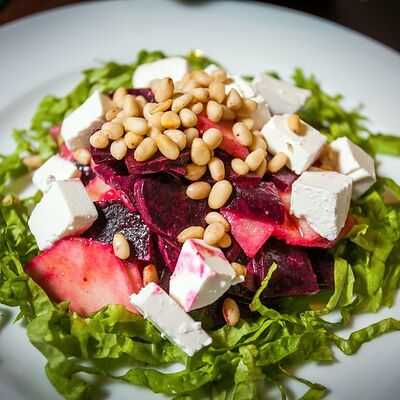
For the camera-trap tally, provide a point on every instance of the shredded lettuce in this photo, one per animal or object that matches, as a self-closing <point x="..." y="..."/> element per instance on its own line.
<point x="244" y="361"/>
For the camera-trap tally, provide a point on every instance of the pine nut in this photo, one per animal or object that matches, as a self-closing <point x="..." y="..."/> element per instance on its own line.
<point x="217" y="91"/>
<point x="132" y="140"/>
<point x="121" y="116"/>
<point x="219" y="75"/>
<point x="119" y="121"/>
<point x="216" y="168"/>
<point x="195" y="172"/>
<point x="118" y="149"/>
<point x="198" y="190"/>
<point x="249" y="122"/>
<point x="155" y="121"/>
<point x="215" y="216"/>
<point x="164" y="90"/>
<point x="220" y="194"/>
<point x="295" y="125"/>
<point x="214" y="111"/>
<point x="188" y="118"/>
<point x="119" y="96"/>
<point x="277" y="162"/>
<point x="99" y="140"/>
<point x="177" y="136"/>
<point x="242" y="134"/>
<point x="190" y="85"/>
<point x="112" y="113"/>
<point x="179" y="85"/>
<point x="212" y="137"/>
<point x="167" y="147"/>
<point x="136" y="125"/>
<point x="193" y="232"/>
<point x="256" y="132"/>
<point x="230" y="311"/>
<point x="145" y="150"/>
<point x="121" y="246"/>
<point x="240" y="270"/>
<point x="201" y="78"/>
<point x="141" y="101"/>
<point x="248" y="107"/>
<point x="33" y="161"/>
<point x="199" y="152"/>
<point x="225" y="242"/>
<point x="258" y="143"/>
<point x="131" y="107"/>
<point x="147" y="110"/>
<point x="227" y="114"/>
<point x="181" y="102"/>
<point x="154" y="83"/>
<point x="170" y="120"/>
<point x="163" y="106"/>
<point x="197" y="108"/>
<point x="214" y="233"/>
<point x="239" y="166"/>
<point x="154" y="132"/>
<point x="260" y="171"/>
<point x="150" y="274"/>
<point x="200" y="94"/>
<point x="234" y="101"/>
<point x="82" y="156"/>
<point x="114" y="131"/>
<point x="254" y="159"/>
<point x="191" y="134"/>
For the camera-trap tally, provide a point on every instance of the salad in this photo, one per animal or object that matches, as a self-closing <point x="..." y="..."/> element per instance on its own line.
<point x="185" y="215"/>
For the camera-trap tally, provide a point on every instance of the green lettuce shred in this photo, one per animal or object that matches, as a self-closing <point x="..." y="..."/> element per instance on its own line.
<point x="245" y="361"/>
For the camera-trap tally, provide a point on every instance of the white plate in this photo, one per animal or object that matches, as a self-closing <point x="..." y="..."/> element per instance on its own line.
<point x="44" y="54"/>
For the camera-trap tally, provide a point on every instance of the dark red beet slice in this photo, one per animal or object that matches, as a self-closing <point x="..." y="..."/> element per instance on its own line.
<point x="102" y="156"/>
<point x="115" y="217"/>
<point x="283" y="179"/>
<point x="234" y="252"/>
<point x="169" y="250"/>
<point x="323" y="264"/>
<point x="261" y="203"/>
<point x="145" y="92"/>
<point x="165" y="207"/>
<point x="157" y="164"/>
<point x="294" y="275"/>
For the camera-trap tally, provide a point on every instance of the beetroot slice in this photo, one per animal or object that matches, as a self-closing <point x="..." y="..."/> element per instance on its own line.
<point x="283" y="179"/>
<point x="169" y="250"/>
<point x="164" y="206"/>
<point x="157" y="164"/>
<point x="145" y="92"/>
<point x="115" y="217"/>
<point x="261" y="203"/>
<point x="294" y="275"/>
<point x="323" y="265"/>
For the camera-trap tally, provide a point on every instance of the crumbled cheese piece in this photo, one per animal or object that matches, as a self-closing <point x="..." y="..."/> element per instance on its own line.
<point x="65" y="210"/>
<point x="77" y="126"/>
<point x="169" y="318"/>
<point x="282" y="97"/>
<point x="173" y="67"/>
<point x="201" y="276"/>
<point x="323" y="200"/>
<point x="354" y="162"/>
<point x="55" y="168"/>
<point x="302" y="150"/>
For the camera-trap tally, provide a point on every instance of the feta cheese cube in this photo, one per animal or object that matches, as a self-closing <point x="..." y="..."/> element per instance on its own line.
<point x="77" y="126"/>
<point x="65" y="210"/>
<point x="323" y="199"/>
<point x="302" y="150"/>
<point x="173" y="67"/>
<point x="282" y="97"/>
<point x="55" y="168"/>
<point x="202" y="275"/>
<point x="169" y="318"/>
<point x="354" y="162"/>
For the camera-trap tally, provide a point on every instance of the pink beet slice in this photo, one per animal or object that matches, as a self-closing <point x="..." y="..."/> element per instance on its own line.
<point x="98" y="190"/>
<point x="229" y="142"/>
<point x="86" y="273"/>
<point x="250" y="234"/>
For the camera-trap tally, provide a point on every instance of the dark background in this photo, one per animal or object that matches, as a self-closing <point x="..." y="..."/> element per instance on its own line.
<point x="379" y="19"/>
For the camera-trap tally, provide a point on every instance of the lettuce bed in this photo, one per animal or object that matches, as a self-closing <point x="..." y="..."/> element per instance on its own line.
<point x="241" y="358"/>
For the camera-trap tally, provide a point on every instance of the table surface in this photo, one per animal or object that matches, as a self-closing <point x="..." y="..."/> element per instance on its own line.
<point x="375" y="18"/>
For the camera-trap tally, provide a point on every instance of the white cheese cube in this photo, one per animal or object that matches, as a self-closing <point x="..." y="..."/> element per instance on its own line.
<point x="65" y="210"/>
<point x="323" y="200"/>
<point x="282" y="97"/>
<point x="302" y="150"/>
<point x="169" y="318"/>
<point x="355" y="163"/>
<point x="76" y="127"/>
<point x="201" y="276"/>
<point x="55" y="168"/>
<point x="173" y="67"/>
